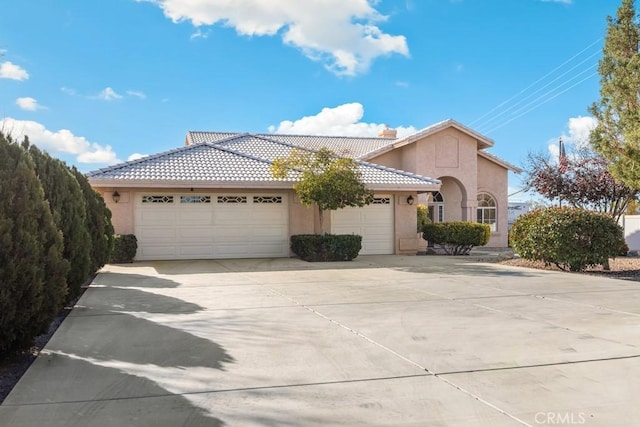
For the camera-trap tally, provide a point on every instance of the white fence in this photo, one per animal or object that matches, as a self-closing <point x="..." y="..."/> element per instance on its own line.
<point x="631" y="226"/>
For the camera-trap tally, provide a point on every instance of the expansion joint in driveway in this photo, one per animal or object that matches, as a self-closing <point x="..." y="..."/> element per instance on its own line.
<point x="403" y="358"/>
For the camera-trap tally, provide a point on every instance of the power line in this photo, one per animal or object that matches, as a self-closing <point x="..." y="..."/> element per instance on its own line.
<point x="485" y="123"/>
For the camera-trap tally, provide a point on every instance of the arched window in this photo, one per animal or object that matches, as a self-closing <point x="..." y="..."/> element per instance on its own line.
<point x="487" y="212"/>
<point x="436" y="207"/>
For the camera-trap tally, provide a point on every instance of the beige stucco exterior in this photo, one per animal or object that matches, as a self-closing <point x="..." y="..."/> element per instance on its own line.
<point x="450" y="153"/>
<point x="453" y="157"/>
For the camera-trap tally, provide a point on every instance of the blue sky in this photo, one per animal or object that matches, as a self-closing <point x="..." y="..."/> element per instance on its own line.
<point x="97" y="82"/>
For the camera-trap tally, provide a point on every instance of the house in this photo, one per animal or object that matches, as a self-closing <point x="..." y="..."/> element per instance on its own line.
<point x="215" y="197"/>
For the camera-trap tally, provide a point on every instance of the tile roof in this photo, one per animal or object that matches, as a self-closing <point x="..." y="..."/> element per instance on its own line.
<point x="237" y="158"/>
<point x="342" y="145"/>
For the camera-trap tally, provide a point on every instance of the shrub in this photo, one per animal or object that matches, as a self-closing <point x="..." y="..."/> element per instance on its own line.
<point x="570" y="238"/>
<point x="327" y="247"/>
<point x="124" y="248"/>
<point x="457" y="238"/>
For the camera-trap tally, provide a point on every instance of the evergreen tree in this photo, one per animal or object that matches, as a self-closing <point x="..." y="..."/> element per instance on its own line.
<point x="98" y="222"/>
<point x="617" y="135"/>
<point x="32" y="270"/>
<point x="68" y="207"/>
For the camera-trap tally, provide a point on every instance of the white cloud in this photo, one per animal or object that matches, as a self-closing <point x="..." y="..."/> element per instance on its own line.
<point x="343" y="34"/>
<point x="137" y="94"/>
<point x="61" y="141"/>
<point x="108" y="94"/>
<point x="577" y="134"/>
<point x="343" y="120"/>
<point x="136" y="156"/>
<point x="9" y="70"/>
<point x="29" y="104"/>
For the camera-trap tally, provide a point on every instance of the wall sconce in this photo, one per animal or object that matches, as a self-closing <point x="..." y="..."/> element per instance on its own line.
<point x="410" y="200"/>
<point x="116" y="196"/>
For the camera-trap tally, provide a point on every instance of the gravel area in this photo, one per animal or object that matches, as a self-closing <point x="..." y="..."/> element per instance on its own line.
<point x="627" y="268"/>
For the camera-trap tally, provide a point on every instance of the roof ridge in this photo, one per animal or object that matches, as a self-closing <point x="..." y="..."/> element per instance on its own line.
<point x="322" y="136"/>
<point x="399" y="171"/>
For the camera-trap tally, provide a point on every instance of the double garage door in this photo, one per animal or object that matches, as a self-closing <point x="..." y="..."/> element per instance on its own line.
<point x="243" y="225"/>
<point x="209" y="226"/>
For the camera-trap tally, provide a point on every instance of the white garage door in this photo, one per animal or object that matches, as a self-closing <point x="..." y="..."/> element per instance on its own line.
<point x="374" y="222"/>
<point x="210" y="226"/>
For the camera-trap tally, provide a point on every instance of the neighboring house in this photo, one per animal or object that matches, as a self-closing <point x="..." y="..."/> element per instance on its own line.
<point x="216" y="198"/>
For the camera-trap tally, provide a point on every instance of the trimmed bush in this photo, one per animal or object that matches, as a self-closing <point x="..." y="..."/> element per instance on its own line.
<point x="457" y="238"/>
<point x="327" y="247"/>
<point x="570" y="238"/>
<point x="124" y="248"/>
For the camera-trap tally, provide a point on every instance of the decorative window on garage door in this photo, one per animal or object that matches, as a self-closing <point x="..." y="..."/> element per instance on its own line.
<point x="195" y="199"/>
<point x="381" y="201"/>
<point x="157" y="199"/>
<point x="232" y="199"/>
<point x="270" y="200"/>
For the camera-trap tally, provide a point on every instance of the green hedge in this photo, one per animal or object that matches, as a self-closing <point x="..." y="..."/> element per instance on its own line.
<point x="457" y="238"/>
<point x="327" y="247"/>
<point x="567" y="237"/>
<point x="124" y="248"/>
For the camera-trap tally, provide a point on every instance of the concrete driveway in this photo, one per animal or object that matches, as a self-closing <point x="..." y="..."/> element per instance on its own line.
<point x="382" y="341"/>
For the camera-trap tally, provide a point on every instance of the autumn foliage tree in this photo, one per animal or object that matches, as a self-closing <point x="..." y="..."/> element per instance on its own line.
<point x="583" y="181"/>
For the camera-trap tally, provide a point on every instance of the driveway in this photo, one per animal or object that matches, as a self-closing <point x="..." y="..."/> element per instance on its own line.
<point x="382" y="340"/>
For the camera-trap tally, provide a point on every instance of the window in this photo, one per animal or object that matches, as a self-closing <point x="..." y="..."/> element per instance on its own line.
<point x="381" y="201"/>
<point x="232" y="199"/>
<point x="157" y="199"/>
<point x="267" y="199"/>
<point x="487" y="212"/>
<point x="436" y="207"/>
<point x="195" y="199"/>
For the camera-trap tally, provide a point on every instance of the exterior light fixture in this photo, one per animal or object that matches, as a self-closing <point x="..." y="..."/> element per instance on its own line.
<point x="410" y="200"/>
<point x="116" y="196"/>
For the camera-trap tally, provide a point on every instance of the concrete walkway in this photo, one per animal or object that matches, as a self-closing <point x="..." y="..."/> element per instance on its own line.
<point x="382" y="340"/>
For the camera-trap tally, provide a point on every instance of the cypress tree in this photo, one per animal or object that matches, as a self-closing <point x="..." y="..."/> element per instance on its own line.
<point x="32" y="270"/>
<point x="68" y="207"/>
<point x="98" y="222"/>
<point x="617" y="135"/>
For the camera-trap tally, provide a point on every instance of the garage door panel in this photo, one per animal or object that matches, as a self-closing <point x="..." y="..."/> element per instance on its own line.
<point x="158" y="216"/>
<point x="150" y="252"/>
<point x="194" y="235"/>
<point x="196" y="217"/>
<point x="195" y="251"/>
<point x="157" y="235"/>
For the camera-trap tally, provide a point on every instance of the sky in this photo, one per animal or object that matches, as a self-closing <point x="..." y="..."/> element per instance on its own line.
<point x="99" y="82"/>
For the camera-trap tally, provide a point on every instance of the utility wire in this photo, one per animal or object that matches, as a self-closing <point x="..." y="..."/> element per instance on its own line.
<point x="485" y="123"/>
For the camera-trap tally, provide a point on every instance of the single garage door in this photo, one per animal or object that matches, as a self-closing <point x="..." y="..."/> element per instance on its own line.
<point x="374" y="222"/>
<point x="210" y="226"/>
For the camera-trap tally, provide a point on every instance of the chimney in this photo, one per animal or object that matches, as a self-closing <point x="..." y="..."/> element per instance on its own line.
<point x="387" y="132"/>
